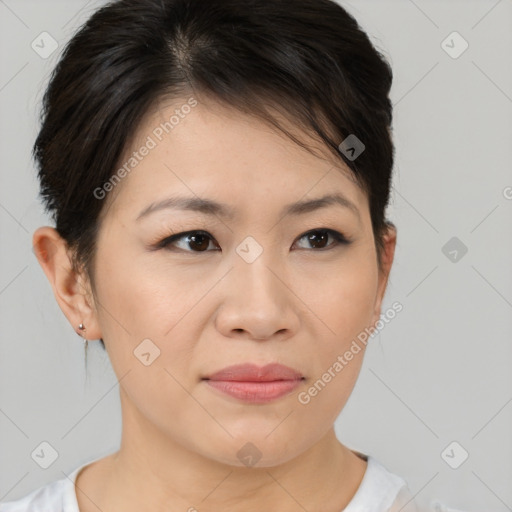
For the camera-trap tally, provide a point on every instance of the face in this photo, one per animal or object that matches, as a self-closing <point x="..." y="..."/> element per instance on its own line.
<point x="250" y="284"/>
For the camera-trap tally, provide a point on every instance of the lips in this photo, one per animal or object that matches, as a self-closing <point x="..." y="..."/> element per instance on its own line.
<point x="253" y="373"/>
<point x="254" y="384"/>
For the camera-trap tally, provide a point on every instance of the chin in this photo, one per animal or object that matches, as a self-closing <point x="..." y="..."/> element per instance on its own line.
<point x="258" y="449"/>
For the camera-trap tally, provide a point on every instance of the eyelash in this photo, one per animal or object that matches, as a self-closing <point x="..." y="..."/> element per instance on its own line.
<point x="339" y="239"/>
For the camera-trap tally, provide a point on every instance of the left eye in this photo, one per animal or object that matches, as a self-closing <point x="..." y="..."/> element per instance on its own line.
<point x="319" y="236"/>
<point x="200" y="240"/>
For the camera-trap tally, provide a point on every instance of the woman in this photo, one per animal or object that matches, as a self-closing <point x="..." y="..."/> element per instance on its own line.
<point x="218" y="172"/>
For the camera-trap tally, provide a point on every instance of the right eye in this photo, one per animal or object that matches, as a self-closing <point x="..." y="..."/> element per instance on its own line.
<point x="193" y="239"/>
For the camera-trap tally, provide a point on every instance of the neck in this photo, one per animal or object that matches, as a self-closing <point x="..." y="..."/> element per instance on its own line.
<point x="153" y="472"/>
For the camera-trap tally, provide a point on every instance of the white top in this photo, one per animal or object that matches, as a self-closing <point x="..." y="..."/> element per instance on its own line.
<point x="379" y="491"/>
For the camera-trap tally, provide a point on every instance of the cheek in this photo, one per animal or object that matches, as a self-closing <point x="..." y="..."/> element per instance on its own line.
<point x="342" y="297"/>
<point x="145" y="311"/>
<point x="140" y="298"/>
<point x="140" y="302"/>
<point x="352" y="297"/>
<point x="345" y="305"/>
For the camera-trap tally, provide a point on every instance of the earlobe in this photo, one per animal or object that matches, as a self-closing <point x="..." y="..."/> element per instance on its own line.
<point x="52" y="253"/>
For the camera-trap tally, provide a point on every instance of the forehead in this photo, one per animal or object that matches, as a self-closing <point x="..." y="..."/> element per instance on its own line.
<point x="215" y="151"/>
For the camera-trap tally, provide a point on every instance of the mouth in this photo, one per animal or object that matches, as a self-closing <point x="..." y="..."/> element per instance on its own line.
<point x="254" y="384"/>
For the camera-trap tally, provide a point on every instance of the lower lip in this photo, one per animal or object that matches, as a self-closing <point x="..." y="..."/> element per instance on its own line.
<point x="255" y="392"/>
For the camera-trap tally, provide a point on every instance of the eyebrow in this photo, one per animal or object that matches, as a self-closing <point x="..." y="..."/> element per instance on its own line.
<point x="210" y="207"/>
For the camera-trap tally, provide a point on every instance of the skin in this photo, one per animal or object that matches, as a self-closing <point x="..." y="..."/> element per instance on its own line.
<point x="208" y="308"/>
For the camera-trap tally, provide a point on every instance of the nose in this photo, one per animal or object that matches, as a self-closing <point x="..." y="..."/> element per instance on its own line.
<point x="258" y="302"/>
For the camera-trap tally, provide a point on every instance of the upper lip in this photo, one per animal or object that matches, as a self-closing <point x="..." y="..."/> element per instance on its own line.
<point x="253" y="373"/>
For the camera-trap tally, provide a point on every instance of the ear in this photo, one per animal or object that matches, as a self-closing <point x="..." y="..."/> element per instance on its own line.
<point x="387" y="256"/>
<point x="72" y="290"/>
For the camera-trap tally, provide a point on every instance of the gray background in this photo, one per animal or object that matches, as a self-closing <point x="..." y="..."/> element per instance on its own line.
<point x="438" y="373"/>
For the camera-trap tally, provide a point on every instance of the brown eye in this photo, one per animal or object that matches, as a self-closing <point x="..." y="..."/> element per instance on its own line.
<point x="194" y="241"/>
<point x="318" y="238"/>
<point x="199" y="241"/>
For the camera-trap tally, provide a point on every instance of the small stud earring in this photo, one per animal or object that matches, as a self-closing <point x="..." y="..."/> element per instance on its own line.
<point x="81" y="327"/>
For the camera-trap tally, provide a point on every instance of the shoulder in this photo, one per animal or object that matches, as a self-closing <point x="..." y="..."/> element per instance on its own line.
<point x="46" y="497"/>
<point x="384" y="491"/>
<point x="380" y="489"/>
<point x="386" y="484"/>
<point x="56" y="496"/>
